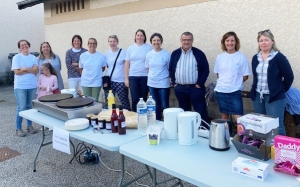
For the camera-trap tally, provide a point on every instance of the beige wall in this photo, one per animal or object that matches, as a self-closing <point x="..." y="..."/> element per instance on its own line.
<point x="208" y="21"/>
<point x="18" y="24"/>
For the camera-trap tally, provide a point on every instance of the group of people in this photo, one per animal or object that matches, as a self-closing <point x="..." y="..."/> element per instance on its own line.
<point x="144" y="67"/>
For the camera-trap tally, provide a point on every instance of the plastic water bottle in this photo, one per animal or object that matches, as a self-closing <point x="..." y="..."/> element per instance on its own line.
<point x="151" y="115"/>
<point x="110" y="99"/>
<point x="142" y="116"/>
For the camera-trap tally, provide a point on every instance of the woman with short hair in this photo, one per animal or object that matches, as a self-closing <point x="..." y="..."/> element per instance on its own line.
<point x="72" y="62"/>
<point x="157" y="60"/>
<point x="117" y="77"/>
<point x="135" y="70"/>
<point x="272" y="77"/>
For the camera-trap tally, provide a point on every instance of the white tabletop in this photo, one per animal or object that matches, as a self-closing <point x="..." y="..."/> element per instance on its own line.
<point x="110" y="142"/>
<point x="199" y="165"/>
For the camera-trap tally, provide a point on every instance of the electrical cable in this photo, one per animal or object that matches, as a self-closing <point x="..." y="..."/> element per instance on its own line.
<point x="125" y="172"/>
<point x="80" y="150"/>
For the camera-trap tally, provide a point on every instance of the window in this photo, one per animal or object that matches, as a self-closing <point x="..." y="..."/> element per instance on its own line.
<point x="66" y="6"/>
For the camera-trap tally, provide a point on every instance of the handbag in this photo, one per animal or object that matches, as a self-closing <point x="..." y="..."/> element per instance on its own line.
<point x="106" y="79"/>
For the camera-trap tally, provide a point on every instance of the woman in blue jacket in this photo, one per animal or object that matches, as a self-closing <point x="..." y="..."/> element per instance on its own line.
<point x="272" y="77"/>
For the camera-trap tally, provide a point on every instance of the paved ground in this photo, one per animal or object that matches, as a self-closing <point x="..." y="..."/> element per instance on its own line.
<point x="53" y="168"/>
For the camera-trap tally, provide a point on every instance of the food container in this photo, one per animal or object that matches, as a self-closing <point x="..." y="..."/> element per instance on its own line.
<point x="153" y="133"/>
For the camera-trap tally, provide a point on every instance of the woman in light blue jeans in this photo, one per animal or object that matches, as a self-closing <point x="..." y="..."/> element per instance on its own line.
<point x="25" y="67"/>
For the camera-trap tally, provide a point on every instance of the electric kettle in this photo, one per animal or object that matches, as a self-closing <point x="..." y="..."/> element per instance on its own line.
<point x="219" y="138"/>
<point x="188" y="124"/>
<point x="170" y="122"/>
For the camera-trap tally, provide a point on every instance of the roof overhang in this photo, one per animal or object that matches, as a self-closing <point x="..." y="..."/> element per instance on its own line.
<point x="29" y="3"/>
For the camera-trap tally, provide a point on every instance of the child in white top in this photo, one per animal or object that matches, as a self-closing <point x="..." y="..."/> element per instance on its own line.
<point x="47" y="80"/>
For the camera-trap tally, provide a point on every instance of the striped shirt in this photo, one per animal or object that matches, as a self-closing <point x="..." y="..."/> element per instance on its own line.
<point x="262" y="73"/>
<point x="186" y="69"/>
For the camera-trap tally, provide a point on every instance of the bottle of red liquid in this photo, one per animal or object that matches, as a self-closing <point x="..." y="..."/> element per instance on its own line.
<point x="114" y="119"/>
<point x="121" y="122"/>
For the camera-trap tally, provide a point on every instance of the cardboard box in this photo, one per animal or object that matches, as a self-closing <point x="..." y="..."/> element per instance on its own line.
<point x="287" y="149"/>
<point x="250" y="168"/>
<point x="262" y="153"/>
<point x="153" y="134"/>
<point x="256" y="126"/>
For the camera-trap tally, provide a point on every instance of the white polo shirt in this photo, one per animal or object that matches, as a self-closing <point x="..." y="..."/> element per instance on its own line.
<point x="92" y="68"/>
<point x="28" y="80"/>
<point x="158" y="64"/>
<point x="231" y="68"/>
<point x="137" y="56"/>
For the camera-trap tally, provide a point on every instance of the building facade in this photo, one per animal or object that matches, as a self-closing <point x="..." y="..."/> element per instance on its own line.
<point x="16" y="25"/>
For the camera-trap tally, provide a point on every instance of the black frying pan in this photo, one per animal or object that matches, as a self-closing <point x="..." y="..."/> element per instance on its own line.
<point x="55" y="97"/>
<point x="74" y="102"/>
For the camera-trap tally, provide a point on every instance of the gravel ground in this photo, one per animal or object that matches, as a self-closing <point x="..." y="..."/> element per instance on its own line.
<point x="53" y="167"/>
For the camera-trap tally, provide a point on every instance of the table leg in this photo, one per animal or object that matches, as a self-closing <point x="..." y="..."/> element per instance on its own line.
<point x="41" y="145"/>
<point x="154" y="178"/>
<point x="122" y="171"/>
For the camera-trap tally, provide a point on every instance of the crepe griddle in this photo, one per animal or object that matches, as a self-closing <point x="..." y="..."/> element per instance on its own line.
<point x="74" y="102"/>
<point x="55" y="97"/>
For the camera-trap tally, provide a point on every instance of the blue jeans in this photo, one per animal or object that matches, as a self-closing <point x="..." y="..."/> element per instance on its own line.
<point x="276" y="109"/>
<point x="161" y="98"/>
<point x="230" y="103"/>
<point x="138" y="89"/>
<point x="190" y="95"/>
<point x="24" y="99"/>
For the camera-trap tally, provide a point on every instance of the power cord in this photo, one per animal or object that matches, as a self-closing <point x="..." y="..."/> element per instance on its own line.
<point x="86" y="155"/>
<point x="117" y="170"/>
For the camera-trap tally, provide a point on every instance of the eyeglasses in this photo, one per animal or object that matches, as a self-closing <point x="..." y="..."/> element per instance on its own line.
<point x="268" y="31"/>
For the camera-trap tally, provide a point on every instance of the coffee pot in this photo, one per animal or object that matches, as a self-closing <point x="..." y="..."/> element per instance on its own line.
<point x="170" y="122"/>
<point x="188" y="124"/>
<point x="219" y="138"/>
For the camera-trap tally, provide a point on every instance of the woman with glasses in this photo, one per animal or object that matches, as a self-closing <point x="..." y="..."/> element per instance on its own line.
<point x="72" y="62"/>
<point x="272" y="77"/>
<point x="47" y="56"/>
<point x="157" y="60"/>
<point x="232" y="70"/>
<point x="25" y="67"/>
<point x="91" y="65"/>
<point x="117" y="76"/>
<point x="135" y="70"/>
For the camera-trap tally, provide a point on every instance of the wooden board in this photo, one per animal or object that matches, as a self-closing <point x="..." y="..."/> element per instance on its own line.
<point x="55" y="97"/>
<point x="74" y="102"/>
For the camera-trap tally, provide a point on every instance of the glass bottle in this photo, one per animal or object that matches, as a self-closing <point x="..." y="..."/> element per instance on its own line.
<point x="114" y="119"/>
<point x="121" y="122"/>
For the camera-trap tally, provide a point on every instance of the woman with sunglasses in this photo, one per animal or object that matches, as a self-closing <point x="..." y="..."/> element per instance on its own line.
<point x="135" y="70"/>
<point x="91" y="65"/>
<point x="72" y="62"/>
<point x="272" y="77"/>
<point x="232" y="70"/>
<point x="47" y="56"/>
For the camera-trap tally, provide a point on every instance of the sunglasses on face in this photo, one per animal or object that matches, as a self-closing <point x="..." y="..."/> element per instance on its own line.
<point x="268" y="31"/>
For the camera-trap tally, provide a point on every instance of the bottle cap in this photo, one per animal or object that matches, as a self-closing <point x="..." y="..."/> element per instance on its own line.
<point x="120" y="107"/>
<point x="113" y="106"/>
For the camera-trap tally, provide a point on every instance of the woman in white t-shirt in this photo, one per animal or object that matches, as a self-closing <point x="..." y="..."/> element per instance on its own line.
<point x="25" y="67"/>
<point x="157" y="60"/>
<point x="232" y="69"/>
<point x="91" y="65"/>
<point x="135" y="70"/>
<point x="117" y="77"/>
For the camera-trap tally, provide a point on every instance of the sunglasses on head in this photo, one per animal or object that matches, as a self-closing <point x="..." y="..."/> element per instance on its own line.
<point x="268" y="31"/>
